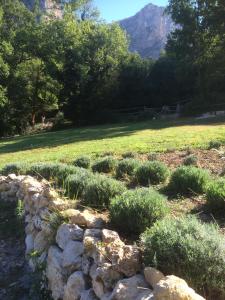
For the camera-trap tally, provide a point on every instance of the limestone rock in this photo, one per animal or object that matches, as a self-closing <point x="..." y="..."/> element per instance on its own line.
<point x="109" y="236"/>
<point x="29" y="241"/>
<point x="88" y="295"/>
<point x="72" y="256"/>
<point x="98" y="287"/>
<point x="41" y="241"/>
<point x="108" y="275"/>
<point x="86" y="264"/>
<point x="84" y="218"/>
<point x="174" y="288"/>
<point x="132" y="288"/>
<point x="76" y="284"/>
<point x="68" y="232"/>
<point x="55" y="273"/>
<point x="128" y="261"/>
<point x="153" y="276"/>
<point x="97" y="233"/>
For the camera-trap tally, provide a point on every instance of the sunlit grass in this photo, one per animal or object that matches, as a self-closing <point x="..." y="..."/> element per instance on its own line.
<point x="151" y="136"/>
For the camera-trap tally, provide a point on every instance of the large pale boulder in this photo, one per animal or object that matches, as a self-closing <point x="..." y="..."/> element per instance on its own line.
<point x="133" y="288"/>
<point x="174" y="288"/>
<point x="76" y="284"/>
<point x="72" y="259"/>
<point x="67" y="233"/>
<point x="153" y="276"/>
<point x="55" y="273"/>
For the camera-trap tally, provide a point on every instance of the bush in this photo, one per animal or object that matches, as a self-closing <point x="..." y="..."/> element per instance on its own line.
<point x="215" y="195"/>
<point x="56" y="171"/>
<point x="190" y="160"/>
<point x="215" y="145"/>
<point x="100" y="190"/>
<point x="129" y="154"/>
<point x="135" y="210"/>
<point x="186" y="180"/>
<point x="127" y="167"/>
<point x="105" y="165"/>
<point x="188" y="249"/>
<point x="76" y="183"/>
<point x="83" y="162"/>
<point x="16" y="168"/>
<point x="153" y="172"/>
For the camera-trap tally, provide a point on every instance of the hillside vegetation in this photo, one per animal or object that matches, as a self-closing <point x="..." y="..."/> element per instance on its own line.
<point x="151" y="136"/>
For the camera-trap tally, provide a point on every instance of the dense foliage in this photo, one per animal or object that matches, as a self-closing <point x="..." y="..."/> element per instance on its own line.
<point x="216" y="196"/>
<point x="188" y="180"/>
<point x="100" y="190"/>
<point x="189" y="249"/>
<point x="152" y="172"/>
<point x="80" y="66"/>
<point x="135" y="210"/>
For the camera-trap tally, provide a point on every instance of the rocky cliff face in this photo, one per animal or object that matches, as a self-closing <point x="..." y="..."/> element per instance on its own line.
<point x="148" y="30"/>
<point x="45" y="5"/>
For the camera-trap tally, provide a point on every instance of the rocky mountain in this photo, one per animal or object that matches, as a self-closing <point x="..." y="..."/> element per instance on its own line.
<point x="46" y="5"/>
<point x="148" y="30"/>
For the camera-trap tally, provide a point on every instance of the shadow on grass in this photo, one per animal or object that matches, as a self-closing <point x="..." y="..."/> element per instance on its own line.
<point x="64" y="137"/>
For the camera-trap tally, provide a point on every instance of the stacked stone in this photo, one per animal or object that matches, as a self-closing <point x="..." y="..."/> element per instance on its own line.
<point x="91" y="263"/>
<point x="84" y="261"/>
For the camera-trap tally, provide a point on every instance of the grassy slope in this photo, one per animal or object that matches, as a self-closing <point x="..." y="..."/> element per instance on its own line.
<point x="151" y="136"/>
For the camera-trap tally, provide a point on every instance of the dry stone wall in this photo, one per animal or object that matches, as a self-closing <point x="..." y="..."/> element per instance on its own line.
<point x="83" y="259"/>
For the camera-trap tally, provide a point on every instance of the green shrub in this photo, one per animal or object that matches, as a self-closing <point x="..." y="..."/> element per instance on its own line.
<point x="100" y="190"/>
<point x="83" y="162"/>
<point x="190" y="160"/>
<point x="16" y="168"/>
<point x="76" y="183"/>
<point x="135" y="210"/>
<point x="127" y="167"/>
<point x="56" y="171"/>
<point x="188" y="249"/>
<point x="214" y="144"/>
<point x="129" y="154"/>
<point x="153" y="172"/>
<point x="215" y="195"/>
<point x="104" y="165"/>
<point x="187" y="179"/>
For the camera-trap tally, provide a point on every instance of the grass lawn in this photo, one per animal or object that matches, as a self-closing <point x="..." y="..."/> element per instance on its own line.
<point x="149" y="136"/>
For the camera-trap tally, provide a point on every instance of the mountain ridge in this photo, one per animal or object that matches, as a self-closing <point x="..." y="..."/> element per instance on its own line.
<point x="148" y="30"/>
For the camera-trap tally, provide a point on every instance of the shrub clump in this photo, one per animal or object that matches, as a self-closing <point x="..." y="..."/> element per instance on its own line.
<point x="129" y="154"/>
<point x="135" y="210"/>
<point x="126" y="167"/>
<point x="105" y="165"/>
<point x="215" y="144"/>
<point x="215" y="196"/>
<point x="14" y="168"/>
<point x="100" y="190"/>
<point x="83" y="162"/>
<point x="56" y="171"/>
<point x="153" y="172"/>
<point x="188" y="249"/>
<point x="188" y="179"/>
<point x="190" y="160"/>
<point x="75" y="184"/>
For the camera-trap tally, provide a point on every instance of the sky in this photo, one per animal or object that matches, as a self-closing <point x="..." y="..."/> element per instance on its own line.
<point x="114" y="10"/>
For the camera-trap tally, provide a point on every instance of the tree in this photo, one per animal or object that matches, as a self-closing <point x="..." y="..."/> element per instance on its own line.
<point x="34" y="90"/>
